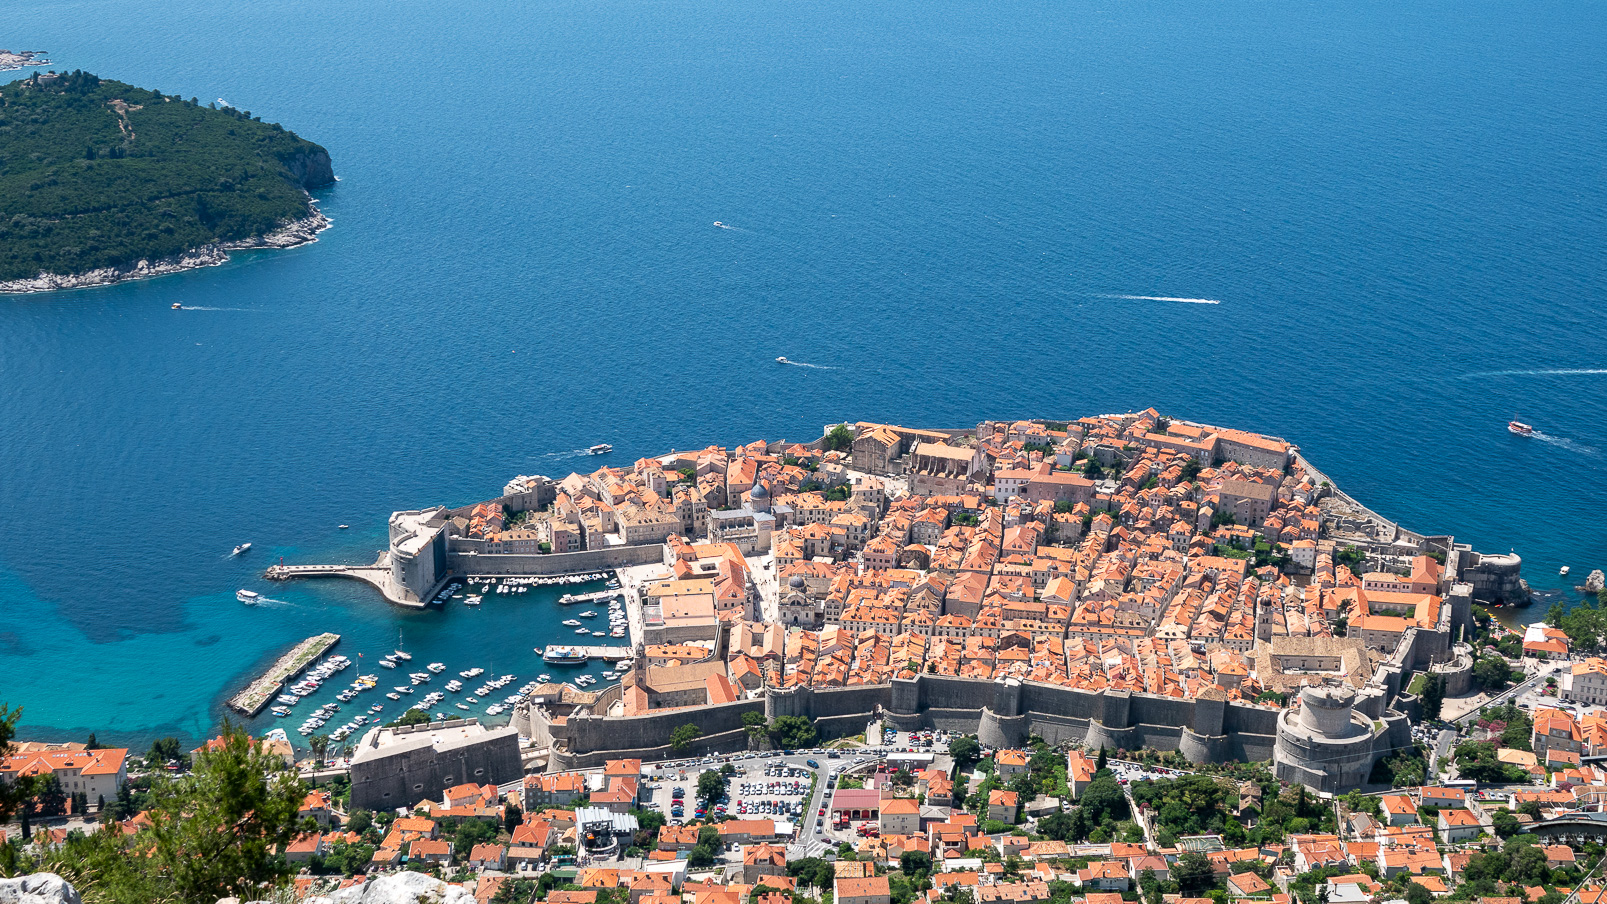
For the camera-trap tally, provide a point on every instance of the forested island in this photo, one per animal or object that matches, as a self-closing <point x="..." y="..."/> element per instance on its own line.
<point x="101" y="181"/>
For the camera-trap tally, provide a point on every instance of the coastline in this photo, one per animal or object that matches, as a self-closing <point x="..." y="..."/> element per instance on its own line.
<point x="290" y="235"/>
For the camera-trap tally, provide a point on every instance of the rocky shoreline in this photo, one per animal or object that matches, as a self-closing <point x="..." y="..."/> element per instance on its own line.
<point x="296" y="232"/>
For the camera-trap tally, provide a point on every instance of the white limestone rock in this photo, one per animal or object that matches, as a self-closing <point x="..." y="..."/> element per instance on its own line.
<point x="39" y="888"/>
<point x="397" y="888"/>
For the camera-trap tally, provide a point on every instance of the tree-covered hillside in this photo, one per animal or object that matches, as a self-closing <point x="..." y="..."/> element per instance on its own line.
<point x="98" y="174"/>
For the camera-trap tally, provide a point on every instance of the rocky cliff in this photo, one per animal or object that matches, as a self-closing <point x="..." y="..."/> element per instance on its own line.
<point x="311" y="167"/>
<point x="399" y="888"/>
<point x="39" y="888"/>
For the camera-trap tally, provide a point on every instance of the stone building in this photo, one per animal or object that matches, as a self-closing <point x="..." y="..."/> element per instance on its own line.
<point x="398" y="767"/>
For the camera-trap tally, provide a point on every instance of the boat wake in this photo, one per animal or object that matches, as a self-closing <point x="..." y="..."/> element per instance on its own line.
<point x="1544" y="372"/>
<point x="1160" y="298"/>
<point x="198" y="307"/>
<point x="802" y="364"/>
<point x="1562" y="442"/>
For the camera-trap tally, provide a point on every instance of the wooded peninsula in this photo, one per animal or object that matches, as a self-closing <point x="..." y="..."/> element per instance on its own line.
<point x="102" y="181"/>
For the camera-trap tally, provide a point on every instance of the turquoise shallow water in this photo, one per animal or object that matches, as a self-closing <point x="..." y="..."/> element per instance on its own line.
<point x="1399" y="209"/>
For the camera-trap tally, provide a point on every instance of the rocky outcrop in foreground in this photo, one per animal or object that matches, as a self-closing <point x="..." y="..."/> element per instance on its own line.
<point x="299" y="232"/>
<point x="39" y="888"/>
<point x="398" y="888"/>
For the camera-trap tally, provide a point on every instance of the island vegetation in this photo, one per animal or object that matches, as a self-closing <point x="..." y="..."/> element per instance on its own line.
<point x="100" y="175"/>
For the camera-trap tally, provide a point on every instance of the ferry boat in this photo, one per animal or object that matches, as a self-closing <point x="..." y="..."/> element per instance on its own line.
<point x="564" y="656"/>
<point x="243" y="547"/>
<point x="600" y="449"/>
<point x="1520" y="428"/>
<point x="249" y="597"/>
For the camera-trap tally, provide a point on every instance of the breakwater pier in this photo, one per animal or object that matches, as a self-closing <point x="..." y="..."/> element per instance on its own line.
<point x="251" y="700"/>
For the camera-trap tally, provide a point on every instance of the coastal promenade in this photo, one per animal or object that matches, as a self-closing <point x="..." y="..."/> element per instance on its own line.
<point x="251" y="700"/>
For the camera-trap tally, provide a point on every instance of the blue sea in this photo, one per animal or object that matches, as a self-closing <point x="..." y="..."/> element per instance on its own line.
<point x="951" y="211"/>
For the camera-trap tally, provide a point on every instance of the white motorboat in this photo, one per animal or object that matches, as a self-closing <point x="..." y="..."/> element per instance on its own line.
<point x="571" y="623"/>
<point x="249" y="597"/>
<point x="454" y="685"/>
<point x="436" y="667"/>
<point x="387" y="664"/>
<point x="243" y="547"/>
<point x="544" y="678"/>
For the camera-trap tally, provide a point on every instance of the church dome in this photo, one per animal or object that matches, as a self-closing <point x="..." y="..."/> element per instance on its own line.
<point x="758" y="491"/>
<point x="796" y="582"/>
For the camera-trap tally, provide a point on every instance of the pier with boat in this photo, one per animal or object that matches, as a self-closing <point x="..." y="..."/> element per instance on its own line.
<point x="256" y="696"/>
<point x="579" y="654"/>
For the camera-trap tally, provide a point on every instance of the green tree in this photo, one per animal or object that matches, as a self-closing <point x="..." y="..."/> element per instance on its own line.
<point x="164" y="751"/>
<point x="753" y="724"/>
<point x="359" y="821"/>
<point x="319" y="743"/>
<point x="1492" y="672"/>
<point x="1193" y="873"/>
<point x="1505" y="824"/>
<point x="515" y="891"/>
<point x="1433" y="696"/>
<point x="214" y="833"/>
<point x="681" y="738"/>
<point x="411" y="717"/>
<point x="793" y="732"/>
<point x="711" y="785"/>
<point x="1417" y="894"/>
<point x="965" y="750"/>
<point x="1103" y="800"/>
<point x="12" y="793"/>
<point x="512" y="817"/>
<point x="912" y="862"/>
<point x="1102" y="759"/>
<point x="49" y="798"/>
<point x="839" y="438"/>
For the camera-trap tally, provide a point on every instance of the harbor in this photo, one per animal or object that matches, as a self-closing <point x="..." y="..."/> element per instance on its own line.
<point x="251" y="701"/>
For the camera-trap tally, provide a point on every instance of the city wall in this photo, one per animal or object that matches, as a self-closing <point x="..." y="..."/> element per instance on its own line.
<point x="553" y="563"/>
<point x="1210" y="729"/>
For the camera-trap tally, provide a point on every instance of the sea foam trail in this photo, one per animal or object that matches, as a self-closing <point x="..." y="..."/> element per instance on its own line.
<point x="1564" y="443"/>
<point x="186" y="307"/>
<point x="802" y="364"/>
<point x="1544" y="372"/>
<point x="1161" y="298"/>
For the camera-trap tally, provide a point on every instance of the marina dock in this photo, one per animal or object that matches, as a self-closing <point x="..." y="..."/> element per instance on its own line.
<point x="606" y="654"/>
<point x="571" y="599"/>
<point x="251" y="700"/>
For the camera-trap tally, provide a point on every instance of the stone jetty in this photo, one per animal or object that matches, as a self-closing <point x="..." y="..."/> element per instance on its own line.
<point x="251" y="700"/>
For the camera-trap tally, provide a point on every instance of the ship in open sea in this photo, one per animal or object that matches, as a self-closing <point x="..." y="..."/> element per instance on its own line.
<point x="1520" y="428"/>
